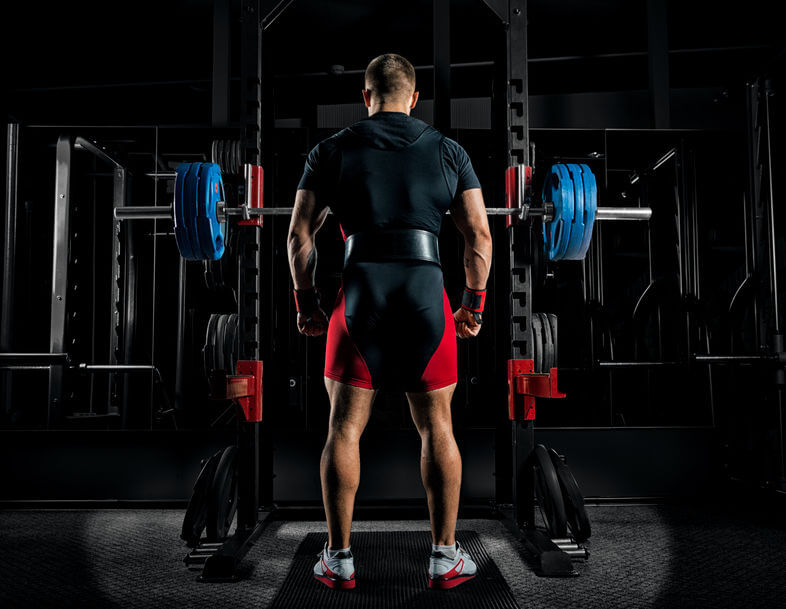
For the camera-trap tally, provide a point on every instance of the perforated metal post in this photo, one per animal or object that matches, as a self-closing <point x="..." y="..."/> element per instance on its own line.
<point x="520" y="243"/>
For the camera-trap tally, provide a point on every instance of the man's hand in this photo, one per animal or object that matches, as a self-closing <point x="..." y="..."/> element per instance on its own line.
<point x="466" y="326"/>
<point x="315" y="325"/>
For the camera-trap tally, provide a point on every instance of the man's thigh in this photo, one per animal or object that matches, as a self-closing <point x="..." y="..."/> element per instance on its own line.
<point x="350" y="406"/>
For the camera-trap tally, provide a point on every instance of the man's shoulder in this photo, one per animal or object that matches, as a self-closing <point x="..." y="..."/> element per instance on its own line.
<point x="332" y="142"/>
<point x="453" y="150"/>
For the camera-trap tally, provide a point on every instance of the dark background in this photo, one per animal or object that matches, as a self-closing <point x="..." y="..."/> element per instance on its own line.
<point x="138" y="77"/>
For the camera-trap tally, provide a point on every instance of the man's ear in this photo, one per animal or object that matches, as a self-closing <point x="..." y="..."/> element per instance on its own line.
<point x="415" y="96"/>
<point x="367" y="98"/>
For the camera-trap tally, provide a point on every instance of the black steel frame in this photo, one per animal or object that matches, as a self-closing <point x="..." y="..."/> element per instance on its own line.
<point x="761" y="252"/>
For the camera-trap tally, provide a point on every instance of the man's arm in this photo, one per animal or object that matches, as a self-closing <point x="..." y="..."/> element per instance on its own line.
<point x="306" y="220"/>
<point x="469" y="214"/>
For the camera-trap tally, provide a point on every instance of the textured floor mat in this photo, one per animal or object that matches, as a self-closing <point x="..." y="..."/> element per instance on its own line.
<point x="391" y="569"/>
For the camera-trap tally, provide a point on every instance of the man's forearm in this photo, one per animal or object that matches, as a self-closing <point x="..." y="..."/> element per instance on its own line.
<point x="477" y="262"/>
<point x="302" y="260"/>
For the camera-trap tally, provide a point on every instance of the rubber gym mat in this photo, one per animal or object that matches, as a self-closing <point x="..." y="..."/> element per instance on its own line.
<point x="391" y="569"/>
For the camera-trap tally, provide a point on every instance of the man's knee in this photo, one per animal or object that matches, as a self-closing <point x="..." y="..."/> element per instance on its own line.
<point x="432" y="419"/>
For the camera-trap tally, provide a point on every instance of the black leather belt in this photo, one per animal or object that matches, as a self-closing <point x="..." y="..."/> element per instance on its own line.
<point x="392" y="244"/>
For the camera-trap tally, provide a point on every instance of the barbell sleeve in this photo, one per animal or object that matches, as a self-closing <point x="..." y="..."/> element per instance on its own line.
<point x="623" y="213"/>
<point x="150" y="212"/>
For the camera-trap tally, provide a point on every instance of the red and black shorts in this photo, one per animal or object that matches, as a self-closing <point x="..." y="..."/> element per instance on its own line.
<point x="392" y="328"/>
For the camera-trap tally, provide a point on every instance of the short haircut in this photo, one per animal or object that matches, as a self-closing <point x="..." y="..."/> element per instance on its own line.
<point x="389" y="77"/>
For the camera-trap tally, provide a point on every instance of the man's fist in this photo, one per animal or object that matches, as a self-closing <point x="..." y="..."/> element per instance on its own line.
<point x="315" y="325"/>
<point x="466" y="325"/>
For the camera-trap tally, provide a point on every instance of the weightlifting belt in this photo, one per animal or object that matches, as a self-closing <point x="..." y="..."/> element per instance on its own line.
<point x="392" y="244"/>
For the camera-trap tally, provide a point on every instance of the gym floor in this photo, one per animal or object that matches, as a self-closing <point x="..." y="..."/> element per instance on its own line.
<point x="641" y="556"/>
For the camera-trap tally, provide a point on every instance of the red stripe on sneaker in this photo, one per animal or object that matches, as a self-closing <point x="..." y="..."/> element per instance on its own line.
<point x="453" y="572"/>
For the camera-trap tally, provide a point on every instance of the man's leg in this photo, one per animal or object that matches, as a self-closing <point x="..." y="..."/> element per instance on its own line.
<point x="350" y="408"/>
<point x="440" y="461"/>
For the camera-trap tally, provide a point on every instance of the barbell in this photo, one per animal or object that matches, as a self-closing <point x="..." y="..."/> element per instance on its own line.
<point x="199" y="211"/>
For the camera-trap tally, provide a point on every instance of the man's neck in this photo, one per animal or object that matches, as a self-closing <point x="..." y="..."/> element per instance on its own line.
<point x="374" y="109"/>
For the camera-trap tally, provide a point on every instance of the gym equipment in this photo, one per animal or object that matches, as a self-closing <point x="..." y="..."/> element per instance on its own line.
<point x="195" y="519"/>
<point x="200" y="211"/>
<point x="221" y="274"/>
<point x="549" y="493"/>
<point x="222" y="496"/>
<point x="577" y="519"/>
<point x="220" y="350"/>
<point x="198" y="190"/>
<point x="551" y="320"/>
<point x="213" y="504"/>
<point x="227" y="155"/>
<point x="538" y="342"/>
<point x="573" y="191"/>
<point x="559" y="189"/>
<point x="544" y="337"/>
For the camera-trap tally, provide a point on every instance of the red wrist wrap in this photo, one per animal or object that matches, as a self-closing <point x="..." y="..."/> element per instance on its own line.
<point x="306" y="300"/>
<point x="473" y="300"/>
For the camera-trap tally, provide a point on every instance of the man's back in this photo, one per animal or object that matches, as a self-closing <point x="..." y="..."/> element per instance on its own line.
<point x="388" y="171"/>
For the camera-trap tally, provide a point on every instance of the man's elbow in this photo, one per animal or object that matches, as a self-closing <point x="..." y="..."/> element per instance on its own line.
<point x="297" y="240"/>
<point x="479" y="239"/>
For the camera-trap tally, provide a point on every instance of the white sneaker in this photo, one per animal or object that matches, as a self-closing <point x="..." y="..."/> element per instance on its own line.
<point x="446" y="571"/>
<point x="337" y="572"/>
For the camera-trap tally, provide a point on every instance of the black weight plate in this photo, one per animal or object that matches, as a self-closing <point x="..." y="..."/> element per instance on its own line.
<point x="554" y="337"/>
<point x="549" y="493"/>
<point x="196" y="512"/>
<point x="229" y="343"/>
<point x="235" y="157"/>
<point x="537" y="341"/>
<point x="222" y="498"/>
<point x="576" y="513"/>
<point x="235" y="340"/>
<point x="214" y="152"/>
<point x="222" y="161"/>
<point x="208" y="351"/>
<point x="548" y="343"/>
<point x="221" y="329"/>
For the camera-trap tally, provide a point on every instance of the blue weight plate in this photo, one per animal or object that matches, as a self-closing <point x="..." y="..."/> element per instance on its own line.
<point x="551" y="189"/>
<point x="182" y="238"/>
<point x="211" y="191"/>
<point x="590" y="208"/>
<point x="190" y="201"/>
<point x="579" y="218"/>
<point x="560" y="188"/>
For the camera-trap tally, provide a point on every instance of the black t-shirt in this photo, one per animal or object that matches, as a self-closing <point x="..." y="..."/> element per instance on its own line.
<point x="388" y="171"/>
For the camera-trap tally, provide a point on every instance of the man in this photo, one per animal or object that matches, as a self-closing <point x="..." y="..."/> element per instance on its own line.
<point x="389" y="179"/>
